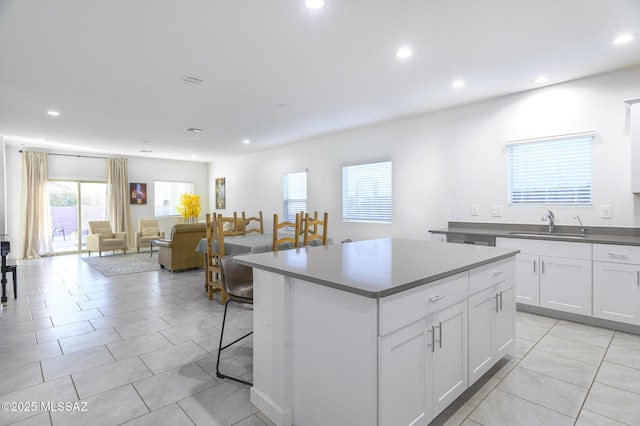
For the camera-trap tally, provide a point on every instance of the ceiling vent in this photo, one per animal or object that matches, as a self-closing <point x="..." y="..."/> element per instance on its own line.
<point x="193" y="130"/>
<point x="192" y="80"/>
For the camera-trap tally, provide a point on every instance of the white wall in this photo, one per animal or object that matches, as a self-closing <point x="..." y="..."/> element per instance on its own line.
<point x="592" y="104"/>
<point x="141" y="170"/>
<point x="446" y="161"/>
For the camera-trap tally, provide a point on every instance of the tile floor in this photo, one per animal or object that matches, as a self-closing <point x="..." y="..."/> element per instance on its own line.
<point x="140" y="349"/>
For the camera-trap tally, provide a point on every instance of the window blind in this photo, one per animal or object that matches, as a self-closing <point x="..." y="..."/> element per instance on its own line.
<point x="366" y="192"/>
<point x="295" y="195"/>
<point x="553" y="171"/>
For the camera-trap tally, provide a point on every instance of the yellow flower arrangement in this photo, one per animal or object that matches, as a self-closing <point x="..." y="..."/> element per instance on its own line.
<point x="189" y="207"/>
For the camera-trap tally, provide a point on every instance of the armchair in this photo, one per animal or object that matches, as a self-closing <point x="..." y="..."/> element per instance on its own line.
<point x="101" y="238"/>
<point x="179" y="253"/>
<point x="148" y="230"/>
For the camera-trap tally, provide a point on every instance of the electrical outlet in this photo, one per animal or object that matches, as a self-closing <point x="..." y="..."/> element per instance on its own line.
<point x="496" y="211"/>
<point x="605" y="211"/>
<point x="475" y="210"/>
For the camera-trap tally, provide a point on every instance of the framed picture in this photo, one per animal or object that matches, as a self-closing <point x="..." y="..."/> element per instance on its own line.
<point x="220" y="194"/>
<point x="138" y="193"/>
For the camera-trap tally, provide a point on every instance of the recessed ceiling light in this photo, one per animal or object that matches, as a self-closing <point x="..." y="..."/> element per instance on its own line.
<point x="145" y="150"/>
<point x="193" y="130"/>
<point x="403" y="52"/>
<point x="314" y="4"/>
<point x="457" y="84"/>
<point x="541" y="79"/>
<point x="53" y="113"/>
<point x="625" y="38"/>
<point x="246" y="141"/>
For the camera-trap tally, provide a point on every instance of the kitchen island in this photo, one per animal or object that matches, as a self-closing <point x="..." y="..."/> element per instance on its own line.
<point x="377" y="332"/>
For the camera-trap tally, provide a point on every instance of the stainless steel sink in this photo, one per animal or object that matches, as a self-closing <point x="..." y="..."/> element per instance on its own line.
<point x="548" y="235"/>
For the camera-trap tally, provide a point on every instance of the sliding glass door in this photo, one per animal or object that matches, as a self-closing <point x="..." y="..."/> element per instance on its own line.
<point x="73" y="204"/>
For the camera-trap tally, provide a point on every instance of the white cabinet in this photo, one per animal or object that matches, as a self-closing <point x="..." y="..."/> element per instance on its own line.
<point x="405" y="366"/>
<point x="553" y="274"/>
<point x="450" y="353"/>
<point x="616" y="283"/>
<point x="565" y="284"/>
<point x="423" y="366"/>
<point x="528" y="279"/>
<point x="491" y="320"/>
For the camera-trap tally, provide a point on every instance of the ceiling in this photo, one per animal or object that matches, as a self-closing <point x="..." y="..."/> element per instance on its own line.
<point x="274" y="71"/>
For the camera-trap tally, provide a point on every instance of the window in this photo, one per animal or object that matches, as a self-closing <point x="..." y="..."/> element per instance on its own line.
<point x="295" y="195"/>
<point x="166" y="196"/>
<point x="551" y="171"/>
<point x="366" y="192"/>
<point x="72" y="205"/>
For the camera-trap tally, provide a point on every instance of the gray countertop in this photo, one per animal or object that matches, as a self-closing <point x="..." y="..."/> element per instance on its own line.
<point x="376" y="268"/>
<point x="600" y="235"/>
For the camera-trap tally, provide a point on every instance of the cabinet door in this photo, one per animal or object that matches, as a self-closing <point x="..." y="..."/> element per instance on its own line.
<point x="492" y="327"/>
<point x="451" y="355"/>
<point x="505" y="325"/>
<point x="404" y="375"/>
<point x="565" y="284"/>
<point x="482" y="308"/>
<point x="616" y="292"/>
<point x="528" y="279"/>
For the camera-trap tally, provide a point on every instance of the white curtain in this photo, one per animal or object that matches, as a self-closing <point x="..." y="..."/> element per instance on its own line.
<point x="118" y="209"/>
<point x="36" y="223"/>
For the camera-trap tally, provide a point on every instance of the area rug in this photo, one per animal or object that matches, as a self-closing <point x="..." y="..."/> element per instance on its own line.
<point x="121" y="264"/>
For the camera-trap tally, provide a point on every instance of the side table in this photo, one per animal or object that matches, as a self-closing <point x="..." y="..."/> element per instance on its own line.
<point x="151" y="243"/>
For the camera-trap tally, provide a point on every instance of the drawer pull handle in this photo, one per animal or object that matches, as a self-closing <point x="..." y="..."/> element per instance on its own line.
<point x="500" y="300"/>
<point x="436" y="298"/>
<point x="497" y="303"/>
<point x="617" y="255"/>
<point x="497" y="273"/>
<point x="433" y="338"/>
<point x="439" y="327"/>
<point x="535" y="262"/>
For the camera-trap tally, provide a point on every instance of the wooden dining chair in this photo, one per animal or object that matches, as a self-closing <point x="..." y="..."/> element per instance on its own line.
<point x="253" y="224"/>
<point x="315" y="229"/>
<point x="279" y="228"/>
<point x="231" y="225"/>
<point x="215" y="252"/>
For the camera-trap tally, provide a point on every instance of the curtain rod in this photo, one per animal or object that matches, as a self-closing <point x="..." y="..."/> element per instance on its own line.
<point x="72" y="155"/>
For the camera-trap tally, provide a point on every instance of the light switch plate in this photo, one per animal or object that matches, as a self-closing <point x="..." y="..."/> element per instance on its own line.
<point x="475" y="210"/>
<point x="605" y="211"/>
<point x="496" y="211"/>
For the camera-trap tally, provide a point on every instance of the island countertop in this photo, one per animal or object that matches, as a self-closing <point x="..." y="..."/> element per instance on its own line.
<point x="376" y="268"/>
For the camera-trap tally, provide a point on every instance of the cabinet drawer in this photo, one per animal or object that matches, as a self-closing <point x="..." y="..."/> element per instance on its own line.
<point x="566" y="249"/>
<point x="408" y="306"/>
<point x="616" y="253"/>
<point x="485" y="276"/>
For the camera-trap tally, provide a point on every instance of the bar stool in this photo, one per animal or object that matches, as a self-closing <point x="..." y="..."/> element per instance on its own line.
<point x="237" y="281"/>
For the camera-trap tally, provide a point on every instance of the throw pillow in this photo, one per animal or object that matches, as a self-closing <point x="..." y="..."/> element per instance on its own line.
<point x="227" y="226"/>
<point x="150" y="232"/>
<point x="105" y="232"/>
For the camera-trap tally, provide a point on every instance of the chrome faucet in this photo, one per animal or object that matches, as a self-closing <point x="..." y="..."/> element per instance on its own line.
<point x="550" y="217"/>
<point x="582" y="228"/>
